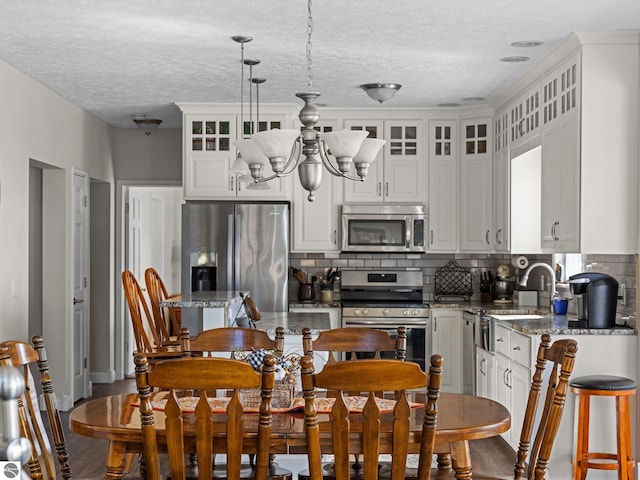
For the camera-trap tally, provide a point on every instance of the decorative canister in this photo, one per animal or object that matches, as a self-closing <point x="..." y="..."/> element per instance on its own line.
<point x="326" y="293"/>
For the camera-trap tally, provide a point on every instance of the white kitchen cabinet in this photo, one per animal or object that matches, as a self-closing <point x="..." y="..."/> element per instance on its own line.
<point x="446" y="340"/>
<point x="476" y="193"/>
<point x="315" y="224"/>
<point x="560" y="209"/>
<point x="514" y="370"/>
<point x="209" y="153"/>
<point x="443" y="186"/>
<point x="397" y="175"/>
<point x="501" y="237"/>
<point x="485" y="374"/>
<point x="524" y="116"/>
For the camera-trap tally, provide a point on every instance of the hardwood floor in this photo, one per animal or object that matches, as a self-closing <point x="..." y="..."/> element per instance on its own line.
<point x="87" y="455"/>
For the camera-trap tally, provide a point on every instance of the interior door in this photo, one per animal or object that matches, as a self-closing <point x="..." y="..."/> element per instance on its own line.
<point x="134" y="225"/>
<point x="80" y="239"/>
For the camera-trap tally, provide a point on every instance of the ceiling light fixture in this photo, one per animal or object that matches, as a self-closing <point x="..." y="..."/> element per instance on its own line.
<point x="527" y="43"/>
<point x="147" y="124"/>
<point x="381" y="92"/>
<point x="285" y="149"/>
<point x="515" y="59"/>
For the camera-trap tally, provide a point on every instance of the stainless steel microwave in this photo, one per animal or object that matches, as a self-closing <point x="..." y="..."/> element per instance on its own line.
<point x="383" y="228"/>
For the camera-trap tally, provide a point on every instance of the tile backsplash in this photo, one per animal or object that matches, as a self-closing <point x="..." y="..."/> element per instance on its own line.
<point x="622" y="267"/>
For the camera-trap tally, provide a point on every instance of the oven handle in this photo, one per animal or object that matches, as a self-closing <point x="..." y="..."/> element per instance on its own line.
<point x="412" y="323"/>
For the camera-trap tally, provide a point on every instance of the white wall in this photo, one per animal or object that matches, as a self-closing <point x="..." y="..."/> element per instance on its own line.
<point x="39" y="125"/>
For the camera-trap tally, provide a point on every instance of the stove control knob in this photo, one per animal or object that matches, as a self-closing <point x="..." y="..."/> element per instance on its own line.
<point x="365" y="311"/>
<point x="386" y="311"/>
<point x="405" y="312"/>
<point x="356" y="311"/>
<point x="416" y="313"/>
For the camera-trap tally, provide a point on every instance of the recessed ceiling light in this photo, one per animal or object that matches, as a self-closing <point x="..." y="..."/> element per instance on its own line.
<point x="514" y="59"/>
<point x="527" y="43"/>
<point x="473" y="99"/>
<point x="448" y="105"/>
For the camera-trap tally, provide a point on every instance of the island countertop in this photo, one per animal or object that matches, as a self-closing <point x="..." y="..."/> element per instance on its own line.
<point x="293" y="323"/>
<point x="209" y="299"/>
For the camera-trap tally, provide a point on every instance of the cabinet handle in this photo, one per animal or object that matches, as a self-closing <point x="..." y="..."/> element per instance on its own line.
<point x="231" y="183"/>
<point x="335" y="237"/>
<point x="504" y="377"/>
<point x="499" y="339"/>
<point x="499" y="236"/>
<point x="517" y="347"/>
<point x="486" y="237"/>
<point x="508" y="382"/>
<point x="558" y="231"/>
<point x="482" y="363"/>
<point x="379" y="189"/>
<point x="431" y="237"/>
<point x="386" y="189"/>
<point x="435" y="324"/>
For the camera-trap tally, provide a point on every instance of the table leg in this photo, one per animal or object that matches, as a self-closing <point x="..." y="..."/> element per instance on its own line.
<point x="461" y="459"/>
<point x="115" y="460"/>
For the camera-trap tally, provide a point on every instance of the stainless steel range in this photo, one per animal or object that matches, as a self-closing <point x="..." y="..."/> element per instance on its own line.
<point x="385" y="300"/>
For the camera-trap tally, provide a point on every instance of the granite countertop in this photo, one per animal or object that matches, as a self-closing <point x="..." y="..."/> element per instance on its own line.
<point x="217" y="299"/>
<point x="490" y="307"/>
<point x="560" y="325"/>
<point x="293" y="323"/>
<point x="315" y="304"/>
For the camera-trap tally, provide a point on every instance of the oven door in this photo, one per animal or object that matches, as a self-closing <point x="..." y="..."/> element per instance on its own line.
<point x="416" y="336"/>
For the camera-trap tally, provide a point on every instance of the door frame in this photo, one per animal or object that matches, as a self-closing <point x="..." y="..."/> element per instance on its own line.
<point x="120" y="262"/>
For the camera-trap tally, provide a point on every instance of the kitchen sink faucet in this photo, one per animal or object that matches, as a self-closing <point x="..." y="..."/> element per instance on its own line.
<point x="525" y="279"/>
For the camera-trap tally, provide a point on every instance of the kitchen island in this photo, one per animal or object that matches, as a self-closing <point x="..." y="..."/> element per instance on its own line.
<point x="209" y="309"/>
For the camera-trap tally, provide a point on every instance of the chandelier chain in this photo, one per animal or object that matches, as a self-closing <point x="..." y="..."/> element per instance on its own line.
<point x="309" y="45"/>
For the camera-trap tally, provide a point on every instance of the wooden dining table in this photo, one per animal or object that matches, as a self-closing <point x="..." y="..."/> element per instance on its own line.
<point x="461" y="418"/>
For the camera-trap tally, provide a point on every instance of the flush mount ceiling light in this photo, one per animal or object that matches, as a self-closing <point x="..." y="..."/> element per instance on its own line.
<point x="527" y="43"/>
<point x="307" y="150"/>
<point x="381" y="92"/>
<point x="147" y="124"/>
<point x="515" y="59"/>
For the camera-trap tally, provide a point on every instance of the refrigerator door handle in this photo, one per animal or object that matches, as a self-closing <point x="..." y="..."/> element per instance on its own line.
<point x="235" y="245"/>
<point x="230" y="251"/>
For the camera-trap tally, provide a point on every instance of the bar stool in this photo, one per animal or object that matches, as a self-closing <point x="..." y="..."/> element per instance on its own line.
<point x="608" y="386"/>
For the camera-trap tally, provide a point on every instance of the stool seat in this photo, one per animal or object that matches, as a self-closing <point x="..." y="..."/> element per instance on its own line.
<point x="620" y="389"/>
<point x="602" y="382"/>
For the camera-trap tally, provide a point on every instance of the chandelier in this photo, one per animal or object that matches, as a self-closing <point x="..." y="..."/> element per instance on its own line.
<point x="307" y="150"/>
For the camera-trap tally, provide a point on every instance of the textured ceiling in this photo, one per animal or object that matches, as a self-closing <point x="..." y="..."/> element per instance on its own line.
<point x="118" y="58"/>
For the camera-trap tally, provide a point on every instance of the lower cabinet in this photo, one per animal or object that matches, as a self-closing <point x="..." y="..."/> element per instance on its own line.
<point x="514" y="369"/>
<point x="485" y="374"/>
<point x="446" y="340"/>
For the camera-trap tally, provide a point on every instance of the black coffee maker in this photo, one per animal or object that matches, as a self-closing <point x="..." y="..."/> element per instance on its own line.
<point x="597" y="298"/>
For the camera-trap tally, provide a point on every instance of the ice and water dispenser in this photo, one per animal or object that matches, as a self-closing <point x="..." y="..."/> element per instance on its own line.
<point x="597" y="298"/>
<point x="203" y="271"/>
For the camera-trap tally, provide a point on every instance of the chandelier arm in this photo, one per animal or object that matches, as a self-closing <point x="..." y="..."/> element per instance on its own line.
<point x="328" y="164"/>
<point x="295" y="158"/>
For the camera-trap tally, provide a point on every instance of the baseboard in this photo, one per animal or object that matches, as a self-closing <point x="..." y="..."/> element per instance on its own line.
<point x="103" y="377"/>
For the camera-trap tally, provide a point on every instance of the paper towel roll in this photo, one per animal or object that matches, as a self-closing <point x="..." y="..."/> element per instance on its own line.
<point x="520" y="262"/>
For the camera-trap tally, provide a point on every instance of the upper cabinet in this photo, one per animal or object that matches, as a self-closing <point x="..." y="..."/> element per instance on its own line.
<point x="476" y="203"/>
<point x="524" y="116"/>
<point x="443" y="185"/>
<point x="315" y="224"/>
<point x="398" y="174"/>
<point x="501" y="237"/>
<point x="209" y="154"/>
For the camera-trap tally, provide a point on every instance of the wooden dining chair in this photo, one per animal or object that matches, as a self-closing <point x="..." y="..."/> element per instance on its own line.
<point x="230" y="339"/>
<point x="382" y="432"/>
<point x="166" y="319"/>
<point x="49" y="454"/>
<point x="353" y="343"/>
<point x="545" y="405"/>
<point x="227" y="340"/>
<point x="199" y="431"/>
<point x="146" y="333"/>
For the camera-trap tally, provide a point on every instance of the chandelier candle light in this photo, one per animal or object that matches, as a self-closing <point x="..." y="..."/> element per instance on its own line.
<point x="285" y="149"/>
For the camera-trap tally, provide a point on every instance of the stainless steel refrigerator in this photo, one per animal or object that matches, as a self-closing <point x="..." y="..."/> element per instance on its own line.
<point x="237" y="246"/>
